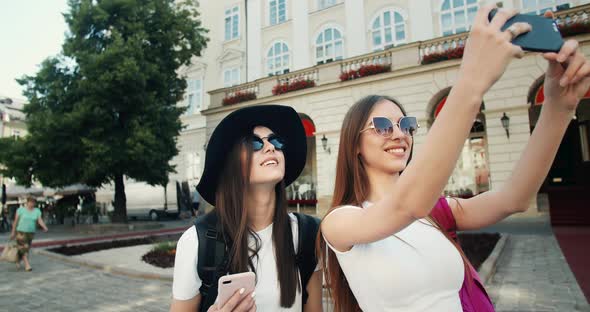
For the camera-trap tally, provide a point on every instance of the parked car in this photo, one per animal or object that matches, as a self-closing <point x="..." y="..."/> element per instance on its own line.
<point x="143" y="200"/>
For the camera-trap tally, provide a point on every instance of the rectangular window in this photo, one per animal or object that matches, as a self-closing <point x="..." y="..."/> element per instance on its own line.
<point x="231" y="77"/>
<point x="194" y="96"/>
<point x="273" y="12"/>
<point x="232" y="23"/>
<point x="198" y="87"/>
<point x="282" y="11"/>
<point x="326" y="3"/>
<point x="277" y="11"/>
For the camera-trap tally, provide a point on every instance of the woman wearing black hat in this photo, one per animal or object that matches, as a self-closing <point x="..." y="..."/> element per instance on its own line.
<point x="252" y="155"/>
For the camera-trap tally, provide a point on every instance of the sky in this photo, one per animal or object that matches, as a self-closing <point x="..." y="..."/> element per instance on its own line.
<point x="30" y="32"/>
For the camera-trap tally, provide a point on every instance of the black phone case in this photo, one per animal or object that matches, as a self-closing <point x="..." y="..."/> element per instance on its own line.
<point x="544" y="37"/>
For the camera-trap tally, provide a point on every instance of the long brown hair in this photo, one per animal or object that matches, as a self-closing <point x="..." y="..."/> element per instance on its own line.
<point x="230" y="196"/>
<point x="352" y="188"/>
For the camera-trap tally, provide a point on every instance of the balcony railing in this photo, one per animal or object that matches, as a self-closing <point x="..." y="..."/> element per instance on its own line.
<point x="440" y="46"/>
<point x="571" y="22"/>
<point x="578" y="14"/>
<point x="251" y="87"/>
<point x="305" y="74"/>
<point x="355" y="63"/>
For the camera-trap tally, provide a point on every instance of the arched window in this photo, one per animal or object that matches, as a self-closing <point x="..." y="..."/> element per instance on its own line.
<point x="456" y="16"/>
<point x="329" y="46"/>
<point x="388" y="29"/>
<point x="277" y="59"/>
<point x="471" y="174"/>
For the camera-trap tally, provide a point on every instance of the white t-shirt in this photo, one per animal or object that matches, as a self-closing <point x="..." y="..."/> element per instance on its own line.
<point x="187" y="282"/>
<point x="417" y="269"/>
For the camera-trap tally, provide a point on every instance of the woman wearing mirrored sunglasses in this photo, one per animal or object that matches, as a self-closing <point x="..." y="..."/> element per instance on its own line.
<point x="388" y="242"/>
<point x="252" y="155"/>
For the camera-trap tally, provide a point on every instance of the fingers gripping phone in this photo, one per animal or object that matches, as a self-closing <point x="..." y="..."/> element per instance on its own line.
<point x="229" y="284"/>
<point x="544" y="36"/>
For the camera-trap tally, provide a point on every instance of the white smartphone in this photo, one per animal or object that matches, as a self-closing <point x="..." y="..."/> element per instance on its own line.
<point x="229" y="284"/>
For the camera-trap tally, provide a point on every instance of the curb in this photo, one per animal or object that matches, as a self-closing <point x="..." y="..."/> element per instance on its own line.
<point x="86" y="240"/>
<point x="488" y="267"/>
<point x="102" y="267"/>
<point x="106" y="238"/>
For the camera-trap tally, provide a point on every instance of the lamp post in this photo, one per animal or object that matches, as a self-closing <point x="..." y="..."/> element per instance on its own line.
<point x="506" y="124"/>
<point x="325" y="144"/>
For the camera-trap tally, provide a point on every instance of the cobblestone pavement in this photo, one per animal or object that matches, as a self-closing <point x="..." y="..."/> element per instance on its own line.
<point x="533" y="275"/>
<point x="56" y="286"/>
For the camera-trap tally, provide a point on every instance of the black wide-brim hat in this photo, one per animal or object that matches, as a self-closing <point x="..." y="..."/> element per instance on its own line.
<point x="282" y="120"/>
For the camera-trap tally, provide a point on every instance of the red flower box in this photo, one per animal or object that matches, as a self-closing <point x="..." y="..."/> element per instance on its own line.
<point x="449" y="54"/>
<point x="239" y="97"/>
<point x="566" y="30"/>
<point x="363" y="71"/>
<point x="292" y="86"/>
<point x="573" y="29"/>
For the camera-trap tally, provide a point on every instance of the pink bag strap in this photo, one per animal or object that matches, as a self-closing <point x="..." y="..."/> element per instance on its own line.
<point x="444" y="216"/>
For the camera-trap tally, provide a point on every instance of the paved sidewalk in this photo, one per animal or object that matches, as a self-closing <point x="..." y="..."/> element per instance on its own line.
<point x="126" y="258"/>
<point x="66" y="234"/>
<point x="532" y="275"/>
<point x="57" y="286"/>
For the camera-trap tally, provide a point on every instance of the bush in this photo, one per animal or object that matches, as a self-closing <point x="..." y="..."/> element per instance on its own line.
<point x="165" y="246"/>
<point x="162" y="255"/>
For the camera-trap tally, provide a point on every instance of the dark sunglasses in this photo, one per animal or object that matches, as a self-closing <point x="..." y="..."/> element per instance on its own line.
<point x="258" y="143"/>
<point x="383" y="126"/>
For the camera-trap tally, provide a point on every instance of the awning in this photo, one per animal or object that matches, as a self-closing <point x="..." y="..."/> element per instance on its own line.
<point x="16" y="191"/>
<point x="75" y="189"/>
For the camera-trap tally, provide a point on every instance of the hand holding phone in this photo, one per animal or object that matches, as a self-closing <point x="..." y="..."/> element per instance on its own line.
<point x="544" y="36"/>
<point x="229" y="285"/>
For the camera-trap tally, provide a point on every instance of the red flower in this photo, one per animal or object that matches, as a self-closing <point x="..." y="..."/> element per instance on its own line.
<point x="448" y="54"/>
<point x="574" y="29"/>
<point x="363" y="71"/>
<point x="292" y="86"/>
<point x="238" y="97"/>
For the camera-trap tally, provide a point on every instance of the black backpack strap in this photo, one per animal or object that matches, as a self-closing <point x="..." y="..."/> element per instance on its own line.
<point x="212" y="257"/>
<point x="306" y="259"/>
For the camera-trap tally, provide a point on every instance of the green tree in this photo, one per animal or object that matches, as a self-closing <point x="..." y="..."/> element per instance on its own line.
<point x="106" y="107"/>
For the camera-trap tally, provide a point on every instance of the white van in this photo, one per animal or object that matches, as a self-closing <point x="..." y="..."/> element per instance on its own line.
<point x="143" y="200"/>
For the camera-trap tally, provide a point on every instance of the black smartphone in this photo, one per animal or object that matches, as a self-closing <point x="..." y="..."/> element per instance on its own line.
<point x="544" y="37"/>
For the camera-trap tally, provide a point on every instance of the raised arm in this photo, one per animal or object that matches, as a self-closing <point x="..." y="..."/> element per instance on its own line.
<point x="487" y="54"/>
<point x="566" y="82"/>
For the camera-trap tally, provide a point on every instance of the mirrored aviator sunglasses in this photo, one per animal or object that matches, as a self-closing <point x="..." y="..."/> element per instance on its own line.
<point x="384" y="126"/>
<point x="275" y="140"/>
